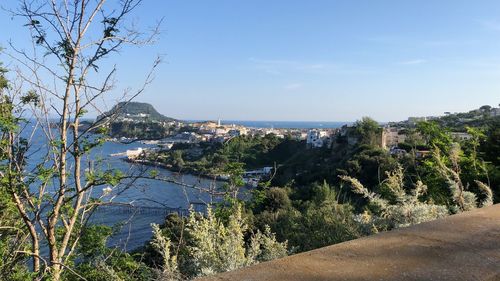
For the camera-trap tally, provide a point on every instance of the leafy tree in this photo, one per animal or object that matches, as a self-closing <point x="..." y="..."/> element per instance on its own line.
<point x="53" y="199"/>
<point x="450" y="165"/>
<point x="93" y="260"/>
<point x="307" y="224"/>
<point x="273" y="199"/>
<point x="485" y="108"/>
<point x="369" y="131"/>
<point x="13" y="232"/>
<point x="450" y="170"/>
<point x="435" y="135"/>
<point x="489" y="150"/>
<point x="368" y="164"/>
<point x="178" y="161"/>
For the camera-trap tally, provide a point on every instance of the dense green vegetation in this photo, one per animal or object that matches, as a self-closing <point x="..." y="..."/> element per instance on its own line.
<point x="316" y="192"/>
<point x="489" y="151"/>
<point x="306" y="221"/>
<point x="458" y="122"/>
<point x="477" y="159"/>
<point x="324" y="196"/>
<point x="139" y="130"/>
<point x="133" y="110"/>
<point x="211" y="158"/>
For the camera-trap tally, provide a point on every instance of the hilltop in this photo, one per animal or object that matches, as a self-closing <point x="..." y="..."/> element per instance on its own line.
<point x="136" y="111"/>
<point x="138" y="120"/>
<point x="458" y="121"/>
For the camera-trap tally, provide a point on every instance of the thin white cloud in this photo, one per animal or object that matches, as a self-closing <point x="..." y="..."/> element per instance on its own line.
<point x="406" y="40"/>
<point x="313" y="66"/>
<point x="274" y="62"/>
<point x="281" y="67"/>
<point x="277" y="67"/>
<point x="293" y="86"/>
<point x="438" y="43"/>
<point x="413" y="62"/>
<point x="490" y="24"/>
<point x="448" y="43"/>
<point x="381" y="39"/>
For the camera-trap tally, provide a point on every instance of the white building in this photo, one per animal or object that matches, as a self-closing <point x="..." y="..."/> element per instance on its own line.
<point x="316" y="138"/>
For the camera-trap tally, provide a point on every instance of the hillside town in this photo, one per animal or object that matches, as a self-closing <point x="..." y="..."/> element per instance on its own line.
<point x="145" y="124"/>
<point x="391" y="134"/>
<point x="196" y="139"/>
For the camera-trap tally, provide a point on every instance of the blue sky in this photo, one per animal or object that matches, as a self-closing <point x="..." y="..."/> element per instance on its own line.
<point x="314" y="60"/>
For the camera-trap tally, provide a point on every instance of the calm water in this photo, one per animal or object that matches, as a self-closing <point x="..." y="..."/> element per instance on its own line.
<point x="284" y="124"/>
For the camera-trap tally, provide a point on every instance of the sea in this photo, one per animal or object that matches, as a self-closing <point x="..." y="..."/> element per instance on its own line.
<point x="284" y="124"/>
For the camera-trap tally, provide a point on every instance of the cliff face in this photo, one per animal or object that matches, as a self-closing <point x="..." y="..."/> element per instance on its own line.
<point x="135" y="110"/>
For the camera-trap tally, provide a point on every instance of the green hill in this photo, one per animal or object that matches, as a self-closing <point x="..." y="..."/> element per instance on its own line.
<point x="136" y="110"/>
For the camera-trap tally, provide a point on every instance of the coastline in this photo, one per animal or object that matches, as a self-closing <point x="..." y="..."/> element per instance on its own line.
<point x="171" y="169"/>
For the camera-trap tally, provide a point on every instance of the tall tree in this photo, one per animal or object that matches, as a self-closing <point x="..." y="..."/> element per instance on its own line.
<point x="55" y="199"/>
<point x="369" y="131"/>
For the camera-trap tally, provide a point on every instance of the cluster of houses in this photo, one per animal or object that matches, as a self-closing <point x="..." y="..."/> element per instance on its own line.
<point x="390" y="138"/>
<point x="219" y="133"/>
<point x="216" y="132"/>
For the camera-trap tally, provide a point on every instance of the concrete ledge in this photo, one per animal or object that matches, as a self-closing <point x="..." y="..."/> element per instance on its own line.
<point x="459" y="247"/>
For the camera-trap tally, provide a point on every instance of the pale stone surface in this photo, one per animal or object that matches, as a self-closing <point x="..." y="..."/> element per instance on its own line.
<point x="459" y="247"/>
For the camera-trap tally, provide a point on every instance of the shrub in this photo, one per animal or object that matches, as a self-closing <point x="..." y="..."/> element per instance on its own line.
<point x="214" y="247"/>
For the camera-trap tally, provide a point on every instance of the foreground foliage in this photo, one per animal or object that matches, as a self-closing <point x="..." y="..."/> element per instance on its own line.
<point x="210" y="246"/>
